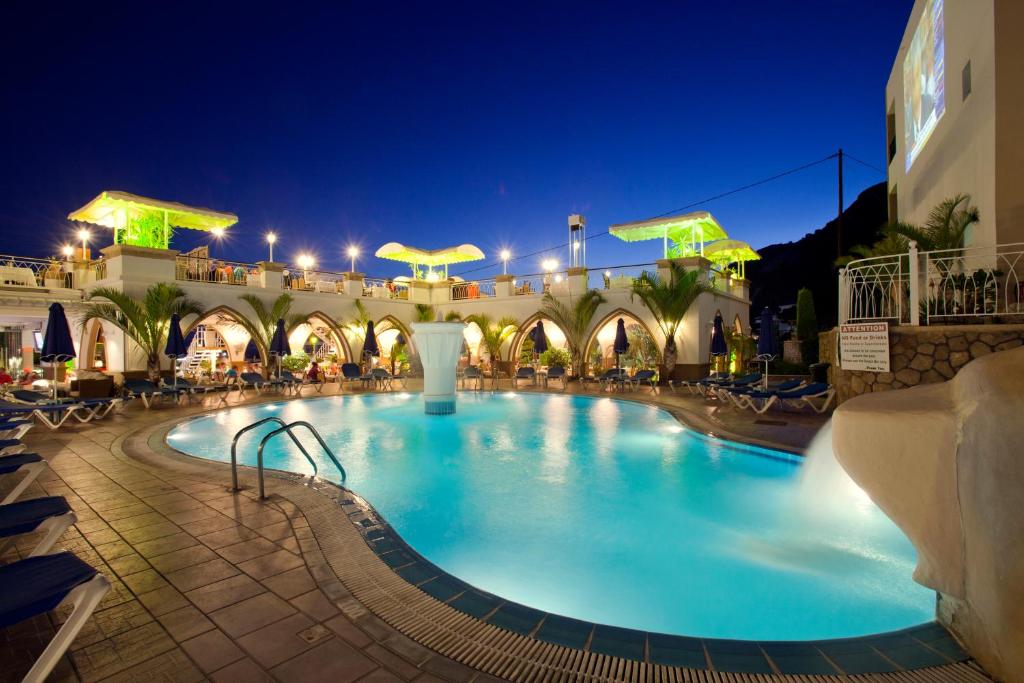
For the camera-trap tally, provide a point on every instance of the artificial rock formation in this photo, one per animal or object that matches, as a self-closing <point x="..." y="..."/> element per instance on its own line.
<point x="946" y="463"/>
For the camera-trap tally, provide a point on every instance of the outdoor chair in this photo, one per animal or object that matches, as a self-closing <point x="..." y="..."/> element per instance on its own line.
<point x="795" y="398"/>
<point x="740" y="396"/>
<point x="557" y="372"/>
<point x="472" y="374"/>
<point x="148" y="392"/>
<point x="53" y="415"/>
<point x="381" y="378"/>
<point x="13" y="427"/>
<point x="251" y="380"/>
<point x="191" y="389"/>
<point x="33" y="465"/>
<point x="29" y="396"/>
<point x="524" y="374"/>
<point x="317" y="384"/>
<point x="51" y="515"/>
<point x="350" y="373"/>
<point x="36" y="585"/>
<point x="646" y="377"/>
<point x="12" y="446"/>
<point x="694" y="386"/>
<point x="710" y="389"/>
<point x="611" y="378"/>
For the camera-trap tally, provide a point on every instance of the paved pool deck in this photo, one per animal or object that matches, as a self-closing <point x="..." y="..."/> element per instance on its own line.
<point x="209" y="584"/>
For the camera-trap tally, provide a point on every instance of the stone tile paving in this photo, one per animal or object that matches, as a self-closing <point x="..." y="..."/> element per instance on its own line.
<point x="210" y="585"/>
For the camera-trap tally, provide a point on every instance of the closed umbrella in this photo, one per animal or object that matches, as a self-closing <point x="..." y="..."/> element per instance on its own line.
<point x="718" y="345"/>
<point x="279" y="344"/>
<point x="58" y="347"/>
<point x="175" y="347"/>
<point x="767" y="343"/>
<point x="370" y="347"/>
<point x="252" y="352"/>
<point x="621" y="344"/>
<point x="540" y="340"/>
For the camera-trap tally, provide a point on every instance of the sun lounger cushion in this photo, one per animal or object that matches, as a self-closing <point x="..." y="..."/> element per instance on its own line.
<point x="25" y="516"/>
<point x="38" y="584"/>
<point x="12" y="463"/>
<point x="7" y="443"/>
<point x="29" y="396"/>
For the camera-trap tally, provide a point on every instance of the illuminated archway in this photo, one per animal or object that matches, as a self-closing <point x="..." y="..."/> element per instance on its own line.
<point x="387" y="330"/>
<point x="228" y="334"/>
<point x="320" y="324"/>
<point x="602" y="339"/>
<point x="554" y="333"/>
<point x="93" y="349"/>
<point x="472" y="336"/>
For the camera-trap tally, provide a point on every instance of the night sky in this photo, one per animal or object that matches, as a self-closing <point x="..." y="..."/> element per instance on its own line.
<point x="435" y="124"/>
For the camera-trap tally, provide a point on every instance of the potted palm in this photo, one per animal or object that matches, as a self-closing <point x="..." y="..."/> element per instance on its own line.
<point x="668" y="300"/>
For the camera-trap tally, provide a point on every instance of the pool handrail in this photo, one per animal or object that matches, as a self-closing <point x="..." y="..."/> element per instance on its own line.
<point x="288" y="428"/>
<point x="243" y="430"/>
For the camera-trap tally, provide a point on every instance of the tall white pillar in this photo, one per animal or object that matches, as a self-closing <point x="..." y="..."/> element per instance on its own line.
<point x="439" y="346"/>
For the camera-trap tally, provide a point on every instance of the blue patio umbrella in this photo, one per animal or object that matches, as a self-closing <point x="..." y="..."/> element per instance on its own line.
<point x="767" y="342"/>
<point x="58" y="347"/>
<point x="540" y="340"/>
<point x="621" y="344"/>
<point x="279" y="344"/>
<point x="252" y="352"/>
<point x="175" y="347"/>
<point x="718" y="345"/>
<point x="370" y="347"/>
<point x="189" y="338"/>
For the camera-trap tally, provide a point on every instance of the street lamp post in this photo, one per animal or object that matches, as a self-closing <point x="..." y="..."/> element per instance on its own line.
<point x="84" y="235"/>
<point x="271" y="238"/>
<point x="353" y="252"/>
<point x="505" y="255"/>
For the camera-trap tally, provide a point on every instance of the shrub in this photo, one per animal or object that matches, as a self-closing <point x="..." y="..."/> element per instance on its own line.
<point x="296" y="362"/>
<point x="555" y="358"/>
<point x="807" y="326"/>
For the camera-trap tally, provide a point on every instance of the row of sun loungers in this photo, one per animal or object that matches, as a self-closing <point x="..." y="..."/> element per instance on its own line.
<point x="748" y="393"/>
<point x="41" y="581"/>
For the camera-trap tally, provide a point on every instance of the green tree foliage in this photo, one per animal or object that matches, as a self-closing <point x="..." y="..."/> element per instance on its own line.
<point x="555" y="358"/>
<point x="807" y="326"/>
<point x="261" y="330"/>
<point x="574" y="319"/>
<point x="668" y="300"/>
<point x="493" y="334"/>
<point x="143" y="321"/>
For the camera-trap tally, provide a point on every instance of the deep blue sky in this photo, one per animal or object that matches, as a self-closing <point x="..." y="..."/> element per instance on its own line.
<point x="435" y="124"/>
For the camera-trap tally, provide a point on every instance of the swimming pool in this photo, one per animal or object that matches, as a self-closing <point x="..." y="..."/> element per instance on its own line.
<point x="607" y="511"/>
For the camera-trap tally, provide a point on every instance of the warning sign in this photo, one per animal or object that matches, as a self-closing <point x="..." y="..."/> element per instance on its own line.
<point x="864" y="346"/>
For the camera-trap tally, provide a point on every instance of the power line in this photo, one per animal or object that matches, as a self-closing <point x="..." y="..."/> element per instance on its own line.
<point x="742" y="188"/>
<point x="864" y="163"/>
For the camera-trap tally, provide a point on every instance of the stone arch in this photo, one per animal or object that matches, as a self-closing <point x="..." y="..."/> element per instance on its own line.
<point x="611" y="318"/>
<point x="91" y="332"/>
<point x="524" y="329"/>
<point x="339" y="337"/>
<point x="737" y="325"/>
<point x="236" y="347"/>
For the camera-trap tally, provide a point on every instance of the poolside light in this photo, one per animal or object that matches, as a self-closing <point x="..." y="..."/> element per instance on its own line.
<point x="549" y="264"/>
<point x="505" y="255"/>
<point x="353" y="252"/>
<point x="68" y="251"/>
<point x="271" y="238"/>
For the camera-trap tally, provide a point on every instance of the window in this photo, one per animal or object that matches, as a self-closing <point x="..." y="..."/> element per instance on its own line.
<point x="965" y="79"/>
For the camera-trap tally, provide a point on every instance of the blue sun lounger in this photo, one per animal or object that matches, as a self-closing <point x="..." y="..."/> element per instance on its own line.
<point x="53" y="415"/>
<point x="795" y="398"/>
<point x="51" y="515"/>
<point x="33" y="465"/>
<point x="36" y="585"/>
<point x="149" y="392"/>
<point x="740" y="396"/>
<point x="643" y="377"/>
<point x="524" y="373"/>
<point x="557" y="372"/>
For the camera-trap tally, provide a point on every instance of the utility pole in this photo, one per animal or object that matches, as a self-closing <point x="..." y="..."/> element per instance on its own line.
<point x="839" y="231"/>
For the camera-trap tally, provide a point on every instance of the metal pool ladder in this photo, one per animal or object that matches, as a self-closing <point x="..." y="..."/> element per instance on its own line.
<point x="285" y="428"/>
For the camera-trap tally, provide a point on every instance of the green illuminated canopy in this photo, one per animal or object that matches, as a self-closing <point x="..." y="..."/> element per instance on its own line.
<point x="730" y="251"/>
<point x="429" y="257"/>
<point x="689" y="231"/>
<point x="146" y="222"/>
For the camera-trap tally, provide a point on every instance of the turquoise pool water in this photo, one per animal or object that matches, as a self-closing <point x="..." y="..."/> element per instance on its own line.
<point x="608" y="511"/>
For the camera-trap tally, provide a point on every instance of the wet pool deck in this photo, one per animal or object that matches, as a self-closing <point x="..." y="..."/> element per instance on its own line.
<point x="214" y="585"/>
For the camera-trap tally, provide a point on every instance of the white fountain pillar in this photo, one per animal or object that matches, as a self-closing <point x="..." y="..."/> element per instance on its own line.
<point x="439" y="346"/>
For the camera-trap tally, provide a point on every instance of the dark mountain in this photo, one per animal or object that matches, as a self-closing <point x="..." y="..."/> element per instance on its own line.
<point x="809" y="262"/>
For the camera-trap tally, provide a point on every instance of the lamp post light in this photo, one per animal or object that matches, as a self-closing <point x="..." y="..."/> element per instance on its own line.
<point x="84" y="235"/>
<point x="68" y="251"/>
<point x="353" y="252"/>
<point x="217" y="232"/>
<point x="549" y="265"/>
<point x="505" y="256"/>
<point x="271" y="238"/>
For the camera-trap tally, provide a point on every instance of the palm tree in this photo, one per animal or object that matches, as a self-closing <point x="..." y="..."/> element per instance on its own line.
<point x="946" y="225"/>
<point x="893" y="244"/>
<point x="668" y="301"/>
<point x="145" y="322"/>
<point x="575" y="321"/>
<point x="493" y="335"/>
<point x="262" y="329"/>
<point x="425" y="313"/>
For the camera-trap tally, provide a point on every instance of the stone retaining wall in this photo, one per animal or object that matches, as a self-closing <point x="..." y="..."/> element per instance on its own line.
<point x="919" y="355"/>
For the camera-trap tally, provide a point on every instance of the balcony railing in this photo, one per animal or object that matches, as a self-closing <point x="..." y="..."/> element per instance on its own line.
<point x="385" y="289"/>
<point x="976" y="284"/>
<point x="217" y="271"/>
<point x="296" y="278"/>
<point x="17" y="271"/>
<point x="618" y="277"/>
<point x="474" y="289"/>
